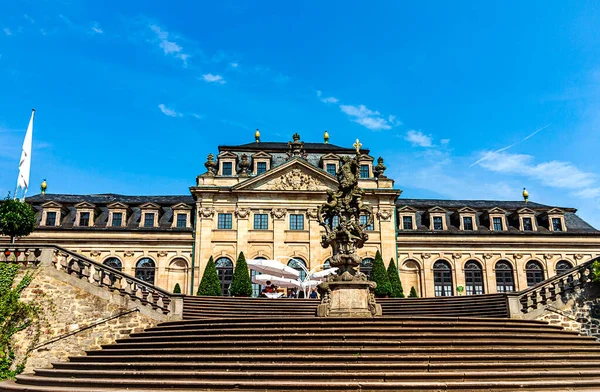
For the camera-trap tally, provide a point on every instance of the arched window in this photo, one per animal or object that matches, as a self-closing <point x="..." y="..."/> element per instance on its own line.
<point x="114" y="263"/>
<point x="366" y="267"/>
<point x="145" y="269"/>
<point x="563" y="266"/>
<point x="442" y="278"/>
<point x="225" y="272"/>
<point x="473" y="277"/>
<point x="534" y="272"/>
<point x="297" y="264"/>
<point x="505" y="281"/>
<point x="256" y="288"/>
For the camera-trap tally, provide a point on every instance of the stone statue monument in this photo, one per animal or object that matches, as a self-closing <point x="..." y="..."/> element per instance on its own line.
<point x="349" y="293"/>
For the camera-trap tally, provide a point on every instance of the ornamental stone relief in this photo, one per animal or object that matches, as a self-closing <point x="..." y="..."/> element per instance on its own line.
<point x="278" y="213"/>
<point x="312" y="213"/>
<point x="206" y="213"/>
<point x="578" y="256"/>
<point x="384" y="215"/>
<point x="95" y="253"/>
<point x="295" y="180"/>
<point x="242" y="213"/>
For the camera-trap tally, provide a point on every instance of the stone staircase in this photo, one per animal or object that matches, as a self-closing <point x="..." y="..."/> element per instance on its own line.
<point x="310" y="354"/>
<point x="491" y="305"/>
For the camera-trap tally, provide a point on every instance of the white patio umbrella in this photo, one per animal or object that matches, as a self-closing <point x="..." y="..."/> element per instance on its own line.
<point x="310" y="283"/>
<point x="273" y="267"/>
<point x="324" y="273"/>
<point x="277" y="281"/>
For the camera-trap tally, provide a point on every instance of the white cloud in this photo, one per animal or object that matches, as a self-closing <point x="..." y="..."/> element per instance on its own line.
<point x="445" y="142"/>
<point x="7" y="31"/>
<point x="210" y="78"/>
<point x="588" y="193"/>
<point x="168" y="111"/>
<point x="330" y="100"/>
<point x="234" y="65"/>
<point x="97" y="29"/>
<point x="169" y="47"/>
<point x="552" y="173"/>
<point x="418" y="138"/>
<point x="198" y="116"/>
<point x="29" y="19"/>
<point x="366" y="117"/>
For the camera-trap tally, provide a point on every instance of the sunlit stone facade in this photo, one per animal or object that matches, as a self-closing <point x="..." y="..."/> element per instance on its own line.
<point x="262" y="198"/>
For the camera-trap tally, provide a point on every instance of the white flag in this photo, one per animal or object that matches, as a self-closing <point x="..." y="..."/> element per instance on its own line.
<point x="25" y="163"/>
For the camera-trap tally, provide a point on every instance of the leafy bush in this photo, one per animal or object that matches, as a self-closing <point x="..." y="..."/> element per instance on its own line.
<point x="15" y="316"/>
<point x="596" y="271"/>
<point x="392" y="271"/>
<point x="413" y="293"/>
<point x="380" y="276"/>
<point x="241" y="286"/>
<point x="17" y="219"/>
<point x="177" y="289"/>
<point x="210" y="285"/>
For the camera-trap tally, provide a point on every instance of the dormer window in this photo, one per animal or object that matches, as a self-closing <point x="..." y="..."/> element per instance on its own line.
<point x="437" y="218"/>
<point x="527" y="224"/>
<point x="556" y="224"/>
<point x="467" y="222"/>
<point x="407" y="218"/>
<point x="497" y="224"/>
<point x="84" y="219"/>
<point x="149" y="218"/>
<point x="227" y="164"/>
<point x="331" y="168"/>
<point x="364" y="171"/>
<point x="149" y="215"/>
<point x="261" y="167"/>
<point x="85" y="214"/>
<point x="407" y="222"/>
<point x="117" y="215"/>
<point x="227" y="168"/>
<point x="181" y="216"/>
<point x="438" y="224"/>
<point x="50" y="218"/>
<point x="556" y="220"/>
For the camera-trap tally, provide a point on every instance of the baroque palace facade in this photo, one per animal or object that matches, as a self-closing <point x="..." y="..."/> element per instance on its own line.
<point x="262" y="198"/>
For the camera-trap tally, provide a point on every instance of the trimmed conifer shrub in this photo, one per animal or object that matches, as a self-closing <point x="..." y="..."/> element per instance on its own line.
<point x="392" y="271"/>
<point x="241" y="286"/>
<point x="177" y="289"/>
<point x="210" y="284"/>
<point x="413" y="293"/>
<point x="380" y="276"/>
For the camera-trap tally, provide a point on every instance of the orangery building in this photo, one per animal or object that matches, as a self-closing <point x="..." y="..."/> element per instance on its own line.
<point x="262" y="198"/>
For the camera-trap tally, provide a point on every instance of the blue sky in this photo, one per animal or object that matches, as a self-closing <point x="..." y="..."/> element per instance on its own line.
<point x="132" y="96"/>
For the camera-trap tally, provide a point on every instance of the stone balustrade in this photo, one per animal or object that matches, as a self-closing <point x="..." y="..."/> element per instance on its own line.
<point x="531" y="302"/>
<point x="98" y="275"/>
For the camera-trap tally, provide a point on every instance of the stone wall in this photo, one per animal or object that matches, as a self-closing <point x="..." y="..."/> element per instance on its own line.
<point x="69" y="304"/>
<point x="580" y="312"/>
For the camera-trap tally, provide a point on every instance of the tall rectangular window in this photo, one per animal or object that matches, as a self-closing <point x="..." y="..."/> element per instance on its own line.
<point x="224" y="221"/>
<point x="437" y="223"/>
<point x="181" y="220"/>
<point x="527" y="224"/>
<point x="497" y="224"/>
<point x="363" y="221"/>
<point x="335" y="222"/>
<point x="84" y="219"/>
<point x="117" y="220"/>
<point x="296" y="222"/>
<point x="467" y="223"/>
<point x="51" y="219"/>
<point x="261" y="167"/>
<point x="364" y="171"/>
<point x="407" y="222"/>
<point x="227" y="168"/>
<point x="149" y="219"/>
<point x="556" y="224"/>
<point x="261" y="222"/>
<point x="331" y="169"/>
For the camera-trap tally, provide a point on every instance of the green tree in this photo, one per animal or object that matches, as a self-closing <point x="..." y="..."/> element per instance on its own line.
<point x="392" y="271"/>
<point x="241" y="286"/>
<point x="15" y="316"/>
<point x="413" y="293"/>
<point x="17" y="218"/>
<point x="380" y="276"/>
<point x="177" y="289"/>
<point x="210" y="285"/>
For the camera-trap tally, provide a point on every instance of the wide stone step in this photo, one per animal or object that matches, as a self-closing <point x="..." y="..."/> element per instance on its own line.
<point x="319" y="337"/>
<point x="422" y="365"/>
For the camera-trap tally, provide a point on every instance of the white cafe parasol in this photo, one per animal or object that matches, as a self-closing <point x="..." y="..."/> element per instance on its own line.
<point x="277" y="281"/>
<point x="273" y="267"/>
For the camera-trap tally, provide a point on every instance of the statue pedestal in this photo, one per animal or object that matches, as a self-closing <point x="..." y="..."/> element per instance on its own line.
<point x="348" y="299"/>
